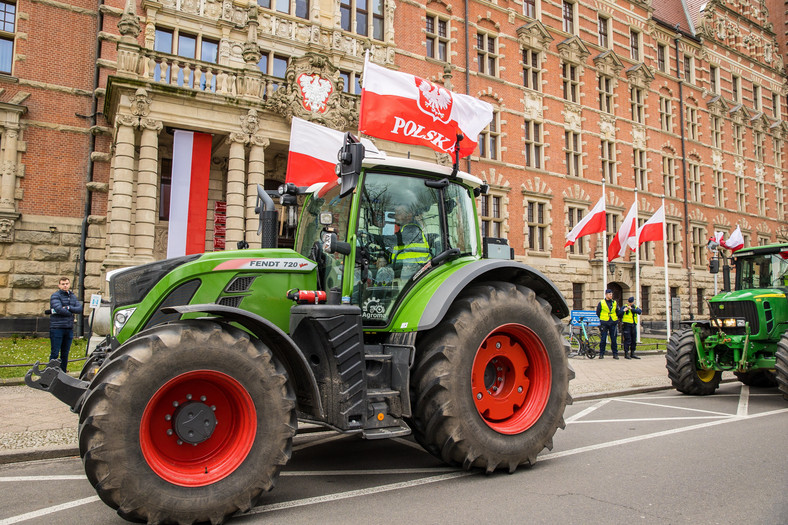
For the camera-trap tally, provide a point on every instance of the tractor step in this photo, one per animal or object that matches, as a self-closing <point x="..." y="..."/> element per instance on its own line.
<point x="387" y="432"/>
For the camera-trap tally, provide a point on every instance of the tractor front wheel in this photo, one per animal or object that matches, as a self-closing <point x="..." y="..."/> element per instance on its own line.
<point x="781" y="365"/>
<point x="682" y="366"/>
<point x="189" y="422"/>
<point x="491" y="380"/>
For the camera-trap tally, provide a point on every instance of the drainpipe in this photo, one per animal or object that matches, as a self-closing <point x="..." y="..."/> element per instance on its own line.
<point x="89" y="193"/>
<point x="684" y="174"/>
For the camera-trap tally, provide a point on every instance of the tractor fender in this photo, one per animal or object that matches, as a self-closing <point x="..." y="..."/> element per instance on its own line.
<point x="282" y="346"/>
<point x="491" y="270"/>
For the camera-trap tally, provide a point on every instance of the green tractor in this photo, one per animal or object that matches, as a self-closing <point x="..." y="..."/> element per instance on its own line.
<point x="747" y="332"/>
<point x="389" y="316"/>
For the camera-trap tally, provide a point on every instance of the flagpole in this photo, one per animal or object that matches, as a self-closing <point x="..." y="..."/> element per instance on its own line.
<point x="604" y="244"/>
<point x="665" y="261"/>
<point x="637" y="266"/>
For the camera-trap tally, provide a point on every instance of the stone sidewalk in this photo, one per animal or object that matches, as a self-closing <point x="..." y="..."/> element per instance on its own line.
<point x="37" y="426"/>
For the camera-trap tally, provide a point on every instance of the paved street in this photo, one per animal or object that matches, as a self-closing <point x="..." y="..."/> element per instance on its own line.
<point x="657" y="457"/>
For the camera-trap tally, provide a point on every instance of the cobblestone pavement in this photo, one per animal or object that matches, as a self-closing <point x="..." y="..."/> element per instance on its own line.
<point x="36" y="425"/>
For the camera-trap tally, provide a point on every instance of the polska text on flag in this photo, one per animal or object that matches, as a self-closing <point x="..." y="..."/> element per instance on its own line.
<point x="594" y="222"/>
<point x="313" y="152"/>
<point x="405" y="108"/>
<point x="191" y="167"/>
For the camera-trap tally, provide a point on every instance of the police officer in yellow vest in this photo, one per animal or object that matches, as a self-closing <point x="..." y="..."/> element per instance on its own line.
<point x="629" y="330"/>
<point x="609" y="313"/>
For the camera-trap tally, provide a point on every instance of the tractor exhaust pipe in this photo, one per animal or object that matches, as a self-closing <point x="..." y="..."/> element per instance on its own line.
<point x="267" y="226"/>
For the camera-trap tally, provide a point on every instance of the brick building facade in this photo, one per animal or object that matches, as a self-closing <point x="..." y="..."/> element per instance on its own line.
<point x="654" y="95"/>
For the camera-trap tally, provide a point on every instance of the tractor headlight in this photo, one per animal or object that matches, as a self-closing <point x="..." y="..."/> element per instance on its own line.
<point x="121" y="317"/>
<point x="729" y="322"/>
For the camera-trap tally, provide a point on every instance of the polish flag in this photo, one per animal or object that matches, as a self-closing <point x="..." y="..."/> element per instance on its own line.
<point x="594" y="222"/>
<point x="313" y="152"/>
<point x="191" y="168"/>
<point x="653" y="229"/>
<point x="405" y="108"/>
<point x="717" y="237"/>
<point x="735" y="242"/>
<point x="628" y="231"/>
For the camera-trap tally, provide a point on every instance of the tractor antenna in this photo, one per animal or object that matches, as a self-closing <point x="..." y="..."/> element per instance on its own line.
<point x="456" y="166"/>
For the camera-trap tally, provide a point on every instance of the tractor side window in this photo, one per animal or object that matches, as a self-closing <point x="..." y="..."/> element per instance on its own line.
<point x="460" y="218"/>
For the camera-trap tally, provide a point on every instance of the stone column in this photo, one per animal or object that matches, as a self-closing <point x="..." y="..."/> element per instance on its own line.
<point x="8" y="186"/>
<point x="147" y="193"/>
<point x="256" y="176"/>
<point x="236" y="189"/>
<point x="122" y="189"/>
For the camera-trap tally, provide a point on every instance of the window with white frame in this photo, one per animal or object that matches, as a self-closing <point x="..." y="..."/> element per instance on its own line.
<point x="7" y="35"/>
<point x="299" y="8"/>
<point x="645" y="248"/>
<point x="575" y="216"/>
<point x="698" y="234"/>
<point x="532" y="70"/>
<point x="662" y="57"/>
<point x="719" y="188"/>
<point x="363" y="17"/>
<point x="529" y="8"/>
<point x="776" y="106"/>
<point x="571" y="82"/>
<point x="603" y="28"/>
<point x="763" y="240"/>
<point x="605" y="89"/>
<point x="777" y="146"/>
<point x="741" y="196"/>
<point x="572" y="146"/>
<point x="689" y="69"/>
<point x="569" y="15"/>
<point x="673" y="242"/>
<point x="716" y="132"/>
<point x="666" y="113"/>
<point x="639" y="165"/>
<point x="533" y="144"/>
<point x="736" y="88"/>
<point x="756" y="97"/>
<point x="693" y="122"/>
<point x="714" y="79"/>
<point x="693" y="173"/>
<point x="779" y="200"/>
<point x="351" y="82"/>
<point x="758" y="145"/>
<point x="489" y="139"/>
<point x="612" y="221"/>
<point x="437" y="30"/>
<point x="487" y="54"/>
<point x="669" y="174"/>
<point x="738" y="139"/>
<point x="634" y="45"/>
<point x="538" y="222"/>
<point x="760" y="196"/>
<point x="637" y="104"/>
<point x="608" y="160"/>
<point x="491" y="216"/>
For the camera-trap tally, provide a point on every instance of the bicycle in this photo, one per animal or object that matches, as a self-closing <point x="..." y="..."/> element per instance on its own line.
<point x="586" y="343"/>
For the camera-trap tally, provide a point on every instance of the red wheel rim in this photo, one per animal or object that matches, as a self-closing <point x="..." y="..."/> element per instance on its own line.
<point x="197" y="465"/>
<point x="511" y="379"/>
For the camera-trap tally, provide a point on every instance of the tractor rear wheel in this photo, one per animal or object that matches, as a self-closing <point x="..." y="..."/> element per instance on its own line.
<point x="491" y="380"/>
<point x="781" y="365"/>
<point x="188" y="422"/>
<point x="757" y="378"/>
<point x="682" y="366"/>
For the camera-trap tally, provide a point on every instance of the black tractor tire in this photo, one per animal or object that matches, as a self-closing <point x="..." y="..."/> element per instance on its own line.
<point x="758" y="378"/>
<point x="682" y="366"/>
<point x="781" y="365"/>
<point x="133" y="441"/>
<point x="490" y="334"/>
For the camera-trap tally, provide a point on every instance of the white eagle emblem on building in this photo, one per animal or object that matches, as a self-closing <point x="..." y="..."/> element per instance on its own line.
<point x="315" y="91"/>
<point x="435" y="101"/>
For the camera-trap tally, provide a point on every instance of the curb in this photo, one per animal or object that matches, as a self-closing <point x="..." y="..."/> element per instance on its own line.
<point x="631" y="391"/>
<point x="34" y="454"/>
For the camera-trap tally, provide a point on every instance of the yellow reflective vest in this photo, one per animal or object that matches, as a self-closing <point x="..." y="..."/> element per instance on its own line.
<point x="629" y="316"/>
<point x="413" y="250"/>
<point x="606" y="314"/>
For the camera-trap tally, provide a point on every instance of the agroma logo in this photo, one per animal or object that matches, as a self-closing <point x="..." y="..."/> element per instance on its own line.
<point x="435" y="101"/>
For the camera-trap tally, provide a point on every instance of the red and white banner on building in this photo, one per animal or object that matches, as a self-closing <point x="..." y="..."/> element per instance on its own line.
<point x="191" y="167"/>
<point x="405" y="108"/>
<point x="628" y="231"/>
<point x="594" y="222"/>
<point x="313" y="152"/>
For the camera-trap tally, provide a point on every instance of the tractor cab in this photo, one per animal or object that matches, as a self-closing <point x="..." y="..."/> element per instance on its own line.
<point x="762" y="267"/>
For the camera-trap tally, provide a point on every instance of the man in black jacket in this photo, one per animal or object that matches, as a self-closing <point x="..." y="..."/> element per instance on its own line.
<point x="609" y="313"/>
<point x="63" y="305"/>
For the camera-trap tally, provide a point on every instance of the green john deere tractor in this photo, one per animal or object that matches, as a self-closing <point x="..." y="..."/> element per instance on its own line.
<point x="389" y="316"/>
<point x="747" y="332"/>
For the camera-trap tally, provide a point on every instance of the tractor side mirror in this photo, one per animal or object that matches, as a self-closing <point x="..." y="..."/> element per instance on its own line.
<point x="348" y="168"/>
<point x="332" y="245"/>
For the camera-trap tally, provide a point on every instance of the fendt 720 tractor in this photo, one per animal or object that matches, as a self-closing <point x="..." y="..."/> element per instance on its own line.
<point x="389" y="316"/>
<point x="747" y="332"/>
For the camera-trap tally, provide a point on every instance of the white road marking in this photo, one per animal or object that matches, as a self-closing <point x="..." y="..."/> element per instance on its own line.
<point x="672" y="406"/>
<point x="647" y="419"/>
<point x="355" y="493"/>
<point x="42" y="478"/>
<point x="329" y="439"/>
<point x="49" y="510"/>
<point x="381" y="471"/>
<point x="583" y="413"/>
<point x="744" y="401"/>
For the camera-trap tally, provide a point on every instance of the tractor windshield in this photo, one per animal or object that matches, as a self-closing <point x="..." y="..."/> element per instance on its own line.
<point x="762" y="271"/>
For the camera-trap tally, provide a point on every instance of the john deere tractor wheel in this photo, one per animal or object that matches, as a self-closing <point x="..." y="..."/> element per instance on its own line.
<point x="682" y="366"/>
<point x="781" y="365"/>
<point x="491" y="380"/>
<point x="757" y="378"/>
<point x="188" y="422"/>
